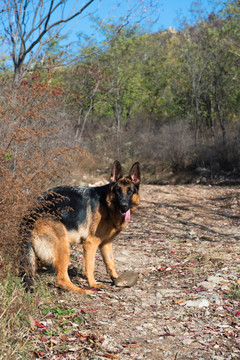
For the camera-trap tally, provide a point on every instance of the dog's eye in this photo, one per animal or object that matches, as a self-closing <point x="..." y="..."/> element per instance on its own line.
<point x="118" y="191"/>
<point x="129" y="191"/>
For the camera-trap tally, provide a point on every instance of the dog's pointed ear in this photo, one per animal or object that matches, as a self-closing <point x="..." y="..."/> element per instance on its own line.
<point x="135" y="173"/>
<point x="116" y="171"/>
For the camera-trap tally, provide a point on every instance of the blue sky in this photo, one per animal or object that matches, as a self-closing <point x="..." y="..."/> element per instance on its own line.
<point x="169" y="13"/>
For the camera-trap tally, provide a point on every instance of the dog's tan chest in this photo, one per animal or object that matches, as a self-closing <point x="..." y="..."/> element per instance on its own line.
<point x="77" y="236"/>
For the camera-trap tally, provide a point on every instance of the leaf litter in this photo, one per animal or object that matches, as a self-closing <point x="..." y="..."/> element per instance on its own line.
<point x="185" y="304"/>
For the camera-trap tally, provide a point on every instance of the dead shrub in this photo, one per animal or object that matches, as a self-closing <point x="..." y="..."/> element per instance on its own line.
<point x="220" y="157"/>
<point x="33" y="153"/>
<point x="167" y="149"/>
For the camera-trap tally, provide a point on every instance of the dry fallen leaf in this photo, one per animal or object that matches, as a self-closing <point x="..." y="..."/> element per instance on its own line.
<point x="180" y="301"/>
<point x="111" y="356"/>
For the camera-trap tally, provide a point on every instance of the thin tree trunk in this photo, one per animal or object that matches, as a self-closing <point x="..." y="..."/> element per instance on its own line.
<point x="118" y="123"/>
<point x="87" y="113"/>
<point x="222" y="122"/>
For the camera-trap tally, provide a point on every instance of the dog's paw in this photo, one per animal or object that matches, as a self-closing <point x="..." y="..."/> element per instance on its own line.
<point x="88" y="292"/>
<point x="96" y="285"/>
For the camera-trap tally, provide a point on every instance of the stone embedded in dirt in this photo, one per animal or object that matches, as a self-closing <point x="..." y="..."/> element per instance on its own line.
<point x="207" y="285"/>
<point x="200" y="303"/>
<point x="167" y="292"/>
<point x="187" y="341"/>
<point x="211" y="282"/>
<point x="215" y="279"/>
<point x="225" y="288"/>
<point x="127" y="279"/>
<point x="215" y="299"/>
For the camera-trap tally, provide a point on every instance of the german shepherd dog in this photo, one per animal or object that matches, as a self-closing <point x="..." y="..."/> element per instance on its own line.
<point x="67" y="215"/>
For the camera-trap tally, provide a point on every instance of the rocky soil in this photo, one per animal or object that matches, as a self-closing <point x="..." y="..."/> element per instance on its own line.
<point x="184" y="242"/>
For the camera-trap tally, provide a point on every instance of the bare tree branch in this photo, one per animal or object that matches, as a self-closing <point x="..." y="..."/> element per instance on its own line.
<point x="30" y="25"/>
<point x="27" y="24"/>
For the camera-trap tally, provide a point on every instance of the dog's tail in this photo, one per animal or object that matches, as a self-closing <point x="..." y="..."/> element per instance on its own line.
<point x="27" y="259"/>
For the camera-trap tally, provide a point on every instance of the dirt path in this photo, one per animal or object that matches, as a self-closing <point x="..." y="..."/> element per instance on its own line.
<point x="184" y="242"/>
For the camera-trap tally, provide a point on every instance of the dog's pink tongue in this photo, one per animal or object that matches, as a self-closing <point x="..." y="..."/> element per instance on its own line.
<point x="127" y="216"/>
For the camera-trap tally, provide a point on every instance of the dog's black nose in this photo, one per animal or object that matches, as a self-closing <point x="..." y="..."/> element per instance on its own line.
<point x="124" y="207"/>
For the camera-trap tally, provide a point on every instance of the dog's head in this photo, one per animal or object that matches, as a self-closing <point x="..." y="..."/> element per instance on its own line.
<point x="124" y="190"/>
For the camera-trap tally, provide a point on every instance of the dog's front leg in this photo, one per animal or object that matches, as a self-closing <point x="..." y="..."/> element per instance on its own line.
<point x="108" y="258"/>
<point x="90" y="246"/>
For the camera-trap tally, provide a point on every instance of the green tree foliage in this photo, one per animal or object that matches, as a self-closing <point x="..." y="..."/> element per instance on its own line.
<point x="121" y="65"/>
<point x="212" y="71"/>
<point x="132" y="82"/>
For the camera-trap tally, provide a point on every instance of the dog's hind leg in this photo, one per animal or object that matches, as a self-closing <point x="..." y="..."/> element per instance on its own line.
<point x="51" y="245"/>
<point x="61" y="265"/>
<point x="108" y="258"/>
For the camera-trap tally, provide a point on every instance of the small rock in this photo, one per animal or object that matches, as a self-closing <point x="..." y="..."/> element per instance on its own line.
<point x="207" y="285"/>
<point x="166" y="292"/>
<point x="215" y="279"/>
<point x="197" y="303"/>
<point x="148" y="326"/>
<point x="121" y="259"/>
<point x="211" y="282"/>
<point x="109" y="344"/>
<point x="203" y="180"/>
<point x="125" y="252"/>
<point x="216" y="299"/>
<point x="127" y="279"/>
<point x="187" y="341"/>
<point x="225" y="288"/>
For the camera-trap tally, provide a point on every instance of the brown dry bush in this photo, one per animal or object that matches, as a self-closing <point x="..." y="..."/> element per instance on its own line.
<point x="34" y="153"/>
<point x="167" y="149"/>
<point x="221" y="157"/>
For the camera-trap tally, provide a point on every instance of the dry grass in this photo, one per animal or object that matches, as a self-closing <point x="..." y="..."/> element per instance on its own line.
<point x="15" y="306"/>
